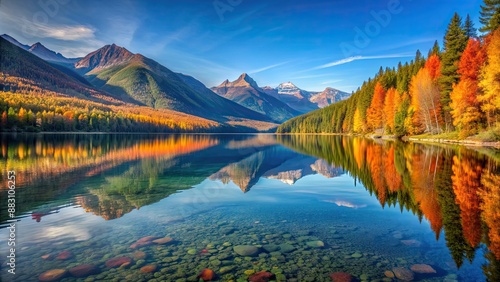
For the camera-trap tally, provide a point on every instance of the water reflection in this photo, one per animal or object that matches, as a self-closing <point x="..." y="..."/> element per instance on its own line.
<point x="456" y="189"/>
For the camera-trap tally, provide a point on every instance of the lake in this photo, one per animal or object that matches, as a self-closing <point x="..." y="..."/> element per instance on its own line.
<point x="303" y="208"/>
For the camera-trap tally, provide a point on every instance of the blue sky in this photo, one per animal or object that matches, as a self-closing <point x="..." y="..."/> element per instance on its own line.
<point x="314" y="44"/>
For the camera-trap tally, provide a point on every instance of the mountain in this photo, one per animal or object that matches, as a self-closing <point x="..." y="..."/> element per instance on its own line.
<point x="247" y="93"/>
<point x="137" y="79"/>
<point x="20" y="63"/>
<point x="15" y="42"/>
<point x="328" y="97"/>
<point x="295" y="97"/>
<point x="41" y="51"/>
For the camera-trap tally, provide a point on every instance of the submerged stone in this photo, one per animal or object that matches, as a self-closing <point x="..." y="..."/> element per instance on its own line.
<point x="286" y="248"/>
<point x="52" y="275"/>
<point x="341" y="277"/>
<point x="403" y="273"/>
<point x="118" y="261"/>
<point x="149" y="268"/>
<point x="422" y="268"/>
<point x="206" y="275"/>
<point x="246" y="250"/>
<point x="315" y="244"/>
<point x="262" y="276"/>
<point x="64" y="255"/>
<point x="84" y="270"/>
<point x="163" y="241"/>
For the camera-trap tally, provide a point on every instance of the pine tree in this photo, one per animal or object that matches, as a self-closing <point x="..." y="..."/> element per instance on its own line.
<point x="455" y="42"/>
<point x="436" y="50"/>
<point x="470" y="29"/>
<point x="490" y="15"/>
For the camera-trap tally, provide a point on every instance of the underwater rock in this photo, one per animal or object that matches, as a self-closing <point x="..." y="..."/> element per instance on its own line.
<point x="246" y="250"/>
<point x="118" y="261"/>
<point x="422" y="268"/>
<point x="341" y="277"/>
<point x="356" y="255"/>
<point x="52" y="275"/>
<point x="149" y="268"/>
<point x="47" y="257"/>
<point x="271" y="248"/>
<point x="389" y="274"/>
<point x="144" y="241"/>
<point x="64" y="255"/>
<point x="286" y="248"/>
<point x="262" y="276"/>
<point x="226" y="269"/>
<point x="139" y="255"/>
<point x="315" y="244"/>
<point x="163" y="241"/>
<point x="403" y="273"/>
<point x="84" y="270"/>
<point x="206" y="274"/>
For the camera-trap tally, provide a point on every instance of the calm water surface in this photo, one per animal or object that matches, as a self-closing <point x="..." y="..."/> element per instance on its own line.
<point x="301" y="207"/>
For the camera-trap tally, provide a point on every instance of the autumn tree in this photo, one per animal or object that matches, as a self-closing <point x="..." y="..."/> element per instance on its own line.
<point x="426" y="100"/>
<point x="489" y="80"/>
<point x="464" y="103"/>
<point x="375" y="113"/>
<point x="455" y="42"/>
<point x="391" y="103"/>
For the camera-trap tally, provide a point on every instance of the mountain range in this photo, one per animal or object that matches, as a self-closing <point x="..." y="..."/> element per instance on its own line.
<point x="113" y="74"/>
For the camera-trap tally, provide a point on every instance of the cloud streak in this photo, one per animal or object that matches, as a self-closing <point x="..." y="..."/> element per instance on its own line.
<point x="358" y="58"/>
<point x="267" y="68"/>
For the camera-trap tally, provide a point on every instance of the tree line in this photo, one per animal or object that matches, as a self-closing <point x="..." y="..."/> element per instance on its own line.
<point x="453" y="89"/>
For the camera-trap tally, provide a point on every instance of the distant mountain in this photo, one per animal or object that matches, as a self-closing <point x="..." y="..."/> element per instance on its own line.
<point x="247" y="93"/>
<point x="41" y="51"/>
<point x="15" y="42"/>
<point x="18" y="62"/>
<point x="302" y="100"/>
<point x="328" y="97"/>
<point x="137" y="79"/>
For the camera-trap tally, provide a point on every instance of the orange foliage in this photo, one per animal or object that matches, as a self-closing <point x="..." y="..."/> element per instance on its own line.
<point x="424" y="170"/>
<point x="490" y="205"/>
<point x="375" y="159"/>
<point x="375" y="113"/>
<point x="392" y="176"/>
<point x="464" y="104"/>
<point x="390" y="107"/>
<point x="433" y="65"/>
<point x="466" y="183"/>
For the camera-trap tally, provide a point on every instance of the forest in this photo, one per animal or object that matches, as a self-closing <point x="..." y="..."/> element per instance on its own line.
<point x="453" y="91"/>
<point x="33" y="109"/>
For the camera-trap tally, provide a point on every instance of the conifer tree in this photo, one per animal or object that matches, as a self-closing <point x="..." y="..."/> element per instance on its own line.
<point x="455" y="42"/>
<point x="470" y="29"/>
<point x="490" y="15"/>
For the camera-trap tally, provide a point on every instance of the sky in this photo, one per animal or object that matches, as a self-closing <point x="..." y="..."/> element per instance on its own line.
<point x="313" y="43"/>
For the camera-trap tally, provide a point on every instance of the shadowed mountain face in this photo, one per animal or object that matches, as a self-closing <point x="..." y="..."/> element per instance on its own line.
<point x="18" y="62"/>
<point x="140" y="80"/>
<point x="247" y="93"/>
<point x="41" y="51"/>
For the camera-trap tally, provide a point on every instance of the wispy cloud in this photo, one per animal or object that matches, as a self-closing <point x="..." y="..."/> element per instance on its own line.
<point x="267" y="68"/>
<point x="331" y="81"/>
<point x="358" y="58"/>
<point x="66" y="32"/>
